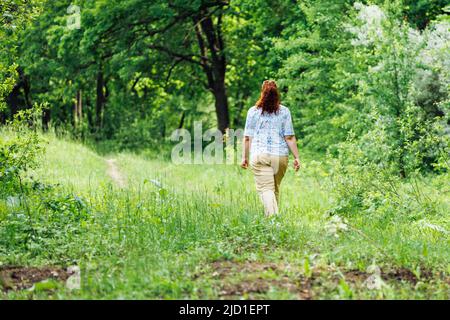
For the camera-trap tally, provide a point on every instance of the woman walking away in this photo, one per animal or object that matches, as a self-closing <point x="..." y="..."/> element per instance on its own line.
<point x="268" y="136"/>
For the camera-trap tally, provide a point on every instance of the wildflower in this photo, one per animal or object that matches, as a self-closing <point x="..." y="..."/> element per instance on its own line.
<point x="335" y="225"/>
<point x="374" y="281"/>
<point x="74" y="281"/>
<point x="423" y="224"/>
<point x="156" y="183"/>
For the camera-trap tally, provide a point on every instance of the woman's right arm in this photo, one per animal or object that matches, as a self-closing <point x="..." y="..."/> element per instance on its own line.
<point x="248" y="134"/>
<point x="245" y="151"/>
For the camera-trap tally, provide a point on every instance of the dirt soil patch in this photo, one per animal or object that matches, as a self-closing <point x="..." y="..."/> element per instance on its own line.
<point x="19" y="278"/>
<point x="223" y="269"/>
<point x="301" y="288"/>
<point x="253" y="282"/>
<point x="397" y="275"/>
<point x="250" y="278"/>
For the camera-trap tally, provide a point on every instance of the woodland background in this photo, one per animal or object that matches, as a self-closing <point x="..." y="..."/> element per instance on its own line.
<point x="86" y="116"/>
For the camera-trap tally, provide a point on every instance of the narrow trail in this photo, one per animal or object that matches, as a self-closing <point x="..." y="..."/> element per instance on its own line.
<point x="114" y="173"/>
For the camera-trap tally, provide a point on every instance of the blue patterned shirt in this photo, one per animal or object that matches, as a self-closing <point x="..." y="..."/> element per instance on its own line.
<point x="268" y="131"/>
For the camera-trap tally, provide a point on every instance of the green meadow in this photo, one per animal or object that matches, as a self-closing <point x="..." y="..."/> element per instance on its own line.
<point x="94" y="93"/>
<point x="198" y="232"/>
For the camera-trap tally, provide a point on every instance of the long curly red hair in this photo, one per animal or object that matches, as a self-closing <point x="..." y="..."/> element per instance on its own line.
<point x="269" y="101"/>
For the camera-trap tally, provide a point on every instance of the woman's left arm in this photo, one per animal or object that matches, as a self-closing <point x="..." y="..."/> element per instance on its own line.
<point x="292" y="144"/>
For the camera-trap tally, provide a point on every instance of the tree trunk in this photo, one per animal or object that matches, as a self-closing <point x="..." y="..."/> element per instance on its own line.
<point x="100" y="103"/>
<point x="89" y="115"/>
<point x="221" y="104"/>
<point x="15" y="99"/>
<point x="78" y="109"/>
<point x="75" y="112"/>
<point x="210" y="42"/>
<point x="80" y="105"/>
<point x="46" y="116"/>
<point x="26" y="88"/>
<point x="183" y="116"/>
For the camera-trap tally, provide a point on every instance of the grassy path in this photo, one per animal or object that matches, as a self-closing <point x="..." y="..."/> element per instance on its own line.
<point x="191" y="231"/>
<point x="114" y="173"/>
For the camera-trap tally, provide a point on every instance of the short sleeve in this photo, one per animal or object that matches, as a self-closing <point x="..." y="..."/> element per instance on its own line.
<point x="287" y="127"/>
<point x="250" y="123"/>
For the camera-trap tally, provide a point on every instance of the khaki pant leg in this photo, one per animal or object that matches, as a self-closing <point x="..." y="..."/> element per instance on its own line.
<point x="279" y="174"/>
<point x="265" y="183"/>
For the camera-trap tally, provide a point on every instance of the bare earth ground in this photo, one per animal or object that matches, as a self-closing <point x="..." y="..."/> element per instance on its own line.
<point x="19" y="278"/>
<point x="114" y="173"/>
<point x="236" y="279"/>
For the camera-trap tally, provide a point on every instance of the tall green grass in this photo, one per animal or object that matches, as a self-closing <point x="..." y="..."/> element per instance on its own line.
<point x="153" y="237"/>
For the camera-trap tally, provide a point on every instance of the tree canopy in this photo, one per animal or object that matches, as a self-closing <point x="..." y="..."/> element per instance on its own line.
<point x="132" y="71"/>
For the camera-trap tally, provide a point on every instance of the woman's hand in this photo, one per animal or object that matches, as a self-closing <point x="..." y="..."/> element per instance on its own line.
<point x="296" y="164"/>
<point x="292" y="144"/>
<point x="244" y="163"/>
<point x="245" y="151"/>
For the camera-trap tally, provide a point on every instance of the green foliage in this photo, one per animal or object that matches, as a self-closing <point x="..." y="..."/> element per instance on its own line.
<point x="348" y="75"/>
<point x="35" y="218"/>
<point x="19" y="147"/>
<point x="163" y="236"/>
<point x="362" y="186"/>
<point x="14" y="17"/>
<point x="314" y="52"/>
<point x="422" y="12"/>
<point x="121" y="72"/>
<point x="368" y="84"/>
<point x="42" y="222"/>
<point x="140" y="75"/>
<point x="388" y="98"/>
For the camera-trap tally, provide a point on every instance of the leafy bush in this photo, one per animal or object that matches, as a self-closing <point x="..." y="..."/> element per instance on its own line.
<point x="362" y="186"/>
<point x="401" y="133"/>
<point x="35" y="219"/>
<point x="19" y="148"/>
<point x="42" y="221"/>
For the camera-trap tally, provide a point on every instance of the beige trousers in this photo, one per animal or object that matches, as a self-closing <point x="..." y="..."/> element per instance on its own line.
<point x="269" y="170"/>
